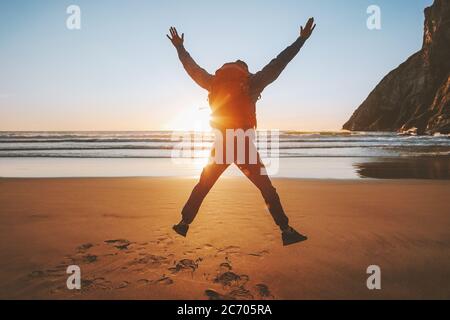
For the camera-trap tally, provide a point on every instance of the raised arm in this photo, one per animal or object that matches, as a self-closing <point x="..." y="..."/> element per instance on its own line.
<point x="271" y="71"/>
<point x="198" y="74"/>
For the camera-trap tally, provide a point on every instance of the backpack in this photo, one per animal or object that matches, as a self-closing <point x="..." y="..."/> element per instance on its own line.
<point x="229" y="98"/>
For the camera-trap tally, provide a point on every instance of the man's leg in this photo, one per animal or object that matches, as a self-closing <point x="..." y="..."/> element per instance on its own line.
<point x="208" y="178"/>
<point x="269" y="193"/>
<point x="262" y="181"/>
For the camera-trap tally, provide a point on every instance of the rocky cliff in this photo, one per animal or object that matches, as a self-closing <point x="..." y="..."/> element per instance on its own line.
<point x="415" y="96"/>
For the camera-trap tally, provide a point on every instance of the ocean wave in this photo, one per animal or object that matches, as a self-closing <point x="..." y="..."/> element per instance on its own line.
<point x="208" y="147"/>
<point x="445" y="155"/>
<point x="158" y="144"/>
<point x="434" y="141"/>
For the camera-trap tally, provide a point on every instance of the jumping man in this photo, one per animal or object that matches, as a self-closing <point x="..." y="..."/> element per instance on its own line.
<point x="233" y="93"/>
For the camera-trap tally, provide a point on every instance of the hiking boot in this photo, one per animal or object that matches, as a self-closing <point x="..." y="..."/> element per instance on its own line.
<point x="181" y="229"/>
<point x="290" y="236"/>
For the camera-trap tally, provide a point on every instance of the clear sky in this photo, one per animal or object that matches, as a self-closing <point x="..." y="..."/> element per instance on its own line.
<point x="120" y="72"/>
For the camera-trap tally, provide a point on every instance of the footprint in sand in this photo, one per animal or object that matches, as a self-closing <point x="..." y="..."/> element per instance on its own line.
<point x="230" y="250"/>
<point x="225" y="266"/>
<point x="184" y="265"/>
<point x="57" y="271"/>
<point x="214" y="295"/>
<point x="114" y="256"/>
<point x="263" y="291"/>
<point x="235" y="285"/>
<point x="259" y="253"/>
<point x="143" y="281"/>
<point x="241" y="293"/>
<point x="231" y="279"/>
<point x="89" y="258"/>
<point x="114" y="241"/>
<point x="163" y="280"/>
<point x="84" y="247"/>
<point x="121" y="244"/>
<point x="122" y="285"/>
<point x="95" y="283"/>
<point x="80" y="258"/>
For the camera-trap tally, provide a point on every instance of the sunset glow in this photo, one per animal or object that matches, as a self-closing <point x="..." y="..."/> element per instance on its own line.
<point x="190" y="119"/>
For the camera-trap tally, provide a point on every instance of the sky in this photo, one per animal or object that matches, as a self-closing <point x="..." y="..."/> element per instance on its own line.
<point x="120" y="72"/>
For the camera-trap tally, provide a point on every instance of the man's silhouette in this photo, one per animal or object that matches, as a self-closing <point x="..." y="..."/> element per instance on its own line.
<point x="233" y="93"/>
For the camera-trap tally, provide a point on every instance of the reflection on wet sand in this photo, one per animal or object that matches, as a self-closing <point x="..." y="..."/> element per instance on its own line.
<point x="409" y="168"/>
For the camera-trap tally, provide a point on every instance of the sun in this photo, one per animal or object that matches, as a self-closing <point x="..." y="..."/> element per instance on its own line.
<point x="191" y="119"/>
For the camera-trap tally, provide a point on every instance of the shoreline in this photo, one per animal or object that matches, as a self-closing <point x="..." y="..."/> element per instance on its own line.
<point x="437" y="168"/>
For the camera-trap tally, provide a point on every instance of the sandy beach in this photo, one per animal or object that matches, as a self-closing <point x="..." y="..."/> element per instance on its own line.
<point x="118" y="230"/>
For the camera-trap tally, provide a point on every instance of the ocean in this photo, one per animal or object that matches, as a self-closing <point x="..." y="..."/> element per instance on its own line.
<point x="331" y="155"/>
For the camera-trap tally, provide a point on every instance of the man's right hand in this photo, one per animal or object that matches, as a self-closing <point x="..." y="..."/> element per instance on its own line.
<point x="306" y="32"/>
<point x="176" y="40"/>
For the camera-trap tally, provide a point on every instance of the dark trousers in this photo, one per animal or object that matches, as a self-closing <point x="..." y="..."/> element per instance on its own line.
<point x="211" y="174"/>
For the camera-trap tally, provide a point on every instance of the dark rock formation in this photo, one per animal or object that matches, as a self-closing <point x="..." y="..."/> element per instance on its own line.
<point x="416" y="94"/>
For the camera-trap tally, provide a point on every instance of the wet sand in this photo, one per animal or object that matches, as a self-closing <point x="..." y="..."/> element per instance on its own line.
<point x="346" y="168"/>
<point x="118" y="230"/>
